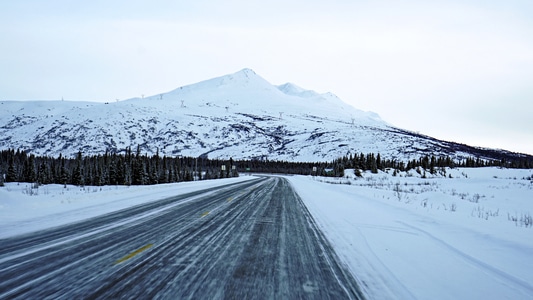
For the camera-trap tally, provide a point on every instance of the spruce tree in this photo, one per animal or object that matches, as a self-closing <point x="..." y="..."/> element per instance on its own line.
<point x="28" y="170"/>
<point x="11" y="175"/>
<point x="63" y="174"/>
<point x="42" y="174"/>
<point x="77" y="175"/>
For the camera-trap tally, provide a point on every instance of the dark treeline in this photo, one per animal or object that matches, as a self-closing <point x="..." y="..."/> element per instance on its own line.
<point x="373" y="162"/>
<point x="285" y="167"/>
<point x="134" y="168"/>
<point x="110" y="169"/>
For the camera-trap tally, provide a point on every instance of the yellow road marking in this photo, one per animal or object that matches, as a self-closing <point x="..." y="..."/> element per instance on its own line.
<point x="134" y="253"/>
<point x="205" y="214"/>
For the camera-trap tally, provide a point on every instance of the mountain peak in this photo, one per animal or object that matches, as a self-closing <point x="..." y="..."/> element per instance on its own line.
<point x="246" y="71"/>
<point x="245" y="78"/>
<point x="245" y="90"/>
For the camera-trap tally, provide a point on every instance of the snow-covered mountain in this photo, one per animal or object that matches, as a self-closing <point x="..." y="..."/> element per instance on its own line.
<point x="240" y="115"/>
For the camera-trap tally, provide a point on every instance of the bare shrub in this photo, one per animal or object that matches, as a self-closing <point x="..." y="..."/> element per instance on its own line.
<point x="483" y="213"/>
<point x="31" y="190"/>
<point x="475" y="198"/>
<point x="526" y="220"/>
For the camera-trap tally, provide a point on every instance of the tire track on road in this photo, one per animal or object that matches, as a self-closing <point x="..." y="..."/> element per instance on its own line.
<point x="257" y="241"/>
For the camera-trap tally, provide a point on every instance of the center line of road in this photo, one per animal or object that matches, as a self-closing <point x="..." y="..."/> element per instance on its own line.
<point x="205" y="214"/>
<point x="134" y="253"/>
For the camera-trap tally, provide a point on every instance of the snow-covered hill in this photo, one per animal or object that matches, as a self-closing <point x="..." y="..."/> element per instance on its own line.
<point x="240" y="115"/>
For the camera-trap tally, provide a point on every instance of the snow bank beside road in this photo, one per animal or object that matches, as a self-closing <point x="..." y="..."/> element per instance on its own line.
<point x="23" y="209"/>
<point x="402" y="240"/>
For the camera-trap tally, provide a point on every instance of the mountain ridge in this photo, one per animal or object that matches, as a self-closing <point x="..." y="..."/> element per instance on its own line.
<point x="239" y="115"/>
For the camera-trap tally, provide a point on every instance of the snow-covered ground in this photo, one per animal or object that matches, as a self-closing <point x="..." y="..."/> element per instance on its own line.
<point x="435" y="238"/>
<point x="404" y="237"/>
<point x="23" y="209"/>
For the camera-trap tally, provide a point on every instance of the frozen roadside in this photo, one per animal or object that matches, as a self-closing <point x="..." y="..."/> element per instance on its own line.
<point x="413" y="246"/>
<point x="24" y="210"/>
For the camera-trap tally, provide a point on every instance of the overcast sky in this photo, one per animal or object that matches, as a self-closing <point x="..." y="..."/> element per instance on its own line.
<point x="455" y="70"/>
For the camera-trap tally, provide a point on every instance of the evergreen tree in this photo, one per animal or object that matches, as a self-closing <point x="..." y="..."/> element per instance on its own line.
<point x="63" y="174"/>
<point x="42" y="174"/>
<point x="77" y="175"/>
<point x="112" y="172"/>
<point x="11" y="175"/>
<point x="28" y="170"/>
<point x="163" y="175"/>
<point x="138" y="172"/>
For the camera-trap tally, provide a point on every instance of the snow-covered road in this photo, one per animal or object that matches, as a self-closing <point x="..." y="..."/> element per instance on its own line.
<point x="249" y="240"/>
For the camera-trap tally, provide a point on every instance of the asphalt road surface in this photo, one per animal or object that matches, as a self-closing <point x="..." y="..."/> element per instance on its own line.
<point x="251" y="240"/>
